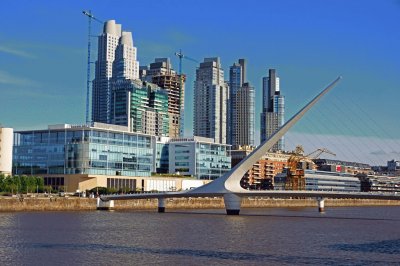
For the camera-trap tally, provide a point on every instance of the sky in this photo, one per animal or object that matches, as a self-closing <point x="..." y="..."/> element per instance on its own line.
<point x="43" y="55"/>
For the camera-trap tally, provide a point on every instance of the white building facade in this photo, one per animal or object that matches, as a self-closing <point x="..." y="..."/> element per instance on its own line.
<point x="116" y="53"/>
<point x="6" y="147"/>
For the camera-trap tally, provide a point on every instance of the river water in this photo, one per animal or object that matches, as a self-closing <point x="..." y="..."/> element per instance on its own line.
<point x="269" y="236"/>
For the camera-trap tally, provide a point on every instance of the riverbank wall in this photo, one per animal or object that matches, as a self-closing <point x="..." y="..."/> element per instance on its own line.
<point x="8" y="204"/>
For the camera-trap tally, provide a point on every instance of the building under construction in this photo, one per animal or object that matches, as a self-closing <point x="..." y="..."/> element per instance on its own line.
<point x="162" y="74"/>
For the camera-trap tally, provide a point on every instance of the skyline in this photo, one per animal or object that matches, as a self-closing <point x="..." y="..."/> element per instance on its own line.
<point x="309" y="45"/>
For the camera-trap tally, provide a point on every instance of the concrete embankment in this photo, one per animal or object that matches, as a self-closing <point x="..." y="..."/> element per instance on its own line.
<point x="8" y="204"/>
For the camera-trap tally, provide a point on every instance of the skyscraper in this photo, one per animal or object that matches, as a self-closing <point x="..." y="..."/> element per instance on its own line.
<point x="141" y="106"/>
<point x="272" y="116"/>
<point x="116" y="59"/>
<point x="241" y="107"/>
<point x="162" y="74"/>
<point x="210" y="101"/>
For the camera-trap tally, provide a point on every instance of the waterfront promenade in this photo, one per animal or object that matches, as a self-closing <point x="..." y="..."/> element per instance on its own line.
<point x="12" y="204"/>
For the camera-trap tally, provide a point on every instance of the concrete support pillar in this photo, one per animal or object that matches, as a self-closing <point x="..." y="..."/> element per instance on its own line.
<point x="232" y="203"/>
<point x="105" y="205"/>
<point x="161" y="205"/>
<point x="321" y="204"/>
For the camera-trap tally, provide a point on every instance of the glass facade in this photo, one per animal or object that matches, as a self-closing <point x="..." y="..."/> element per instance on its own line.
<point x="279" y="109"/>
<point x="82" y="150"/>
<point x="162" y="158"/>
<point x="158" y="100"/>
<point x="199" y="157"/>
<point x="141" y="106"/>
<point x="212" y="160"/>
<point x="272" y="116"/>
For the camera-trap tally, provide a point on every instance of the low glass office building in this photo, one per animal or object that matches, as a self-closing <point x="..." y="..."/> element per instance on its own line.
<point x="331" y="181"/>
<point x="199" y="157"/>
<point x="99" y="149"/>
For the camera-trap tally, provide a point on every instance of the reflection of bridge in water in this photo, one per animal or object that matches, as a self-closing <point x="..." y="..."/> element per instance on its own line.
<point x="228" y="186"/>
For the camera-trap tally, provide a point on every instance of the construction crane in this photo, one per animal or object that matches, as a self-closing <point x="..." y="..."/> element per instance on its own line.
<point x="180" y="55"/>
<point x="297" y="163"/>
<point x="295" y="171"/>
<point x="315" y="154"/>
<point x="90" y="17"/>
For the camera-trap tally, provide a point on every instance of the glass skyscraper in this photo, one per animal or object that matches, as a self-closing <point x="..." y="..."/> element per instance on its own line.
<point x="272" y="116"/>
<point x="240" y="107"/>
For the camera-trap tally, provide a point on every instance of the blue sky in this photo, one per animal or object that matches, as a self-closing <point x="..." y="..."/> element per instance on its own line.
<point x="43" y="55"/>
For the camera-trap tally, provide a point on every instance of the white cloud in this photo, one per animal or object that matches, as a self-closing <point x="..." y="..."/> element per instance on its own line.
<point x="16" y="52"/>
<point x="9" y="79"/>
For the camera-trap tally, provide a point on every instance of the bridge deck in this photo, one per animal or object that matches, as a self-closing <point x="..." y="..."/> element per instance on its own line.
<point x="272" y="194"/>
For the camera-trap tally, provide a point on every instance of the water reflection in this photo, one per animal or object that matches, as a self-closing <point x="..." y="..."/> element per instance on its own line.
<point x="275" y="236"/>
<point x="220" y="255"/>
<point x="384" y="247"/>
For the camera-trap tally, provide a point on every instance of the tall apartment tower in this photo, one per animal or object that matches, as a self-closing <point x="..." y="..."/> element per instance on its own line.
<point x="241" y="107"/>
<point x="116" y="58"/>
<point x="272" y="116"/>
<point x="161" y="73"/>
<point x="210" y="101"/>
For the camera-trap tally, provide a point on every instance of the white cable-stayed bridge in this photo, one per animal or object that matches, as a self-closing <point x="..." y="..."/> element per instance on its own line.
<point x="228" y="185"/>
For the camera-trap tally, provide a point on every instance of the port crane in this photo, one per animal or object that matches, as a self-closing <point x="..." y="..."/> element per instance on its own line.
<point x="297" y="162"/>
<point x="315" y="154"/>
<point x="90" y="17"/>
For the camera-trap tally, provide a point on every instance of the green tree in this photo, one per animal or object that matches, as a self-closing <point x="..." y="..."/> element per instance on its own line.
<point x="48" y="189"/>
<point x="2" y="182"/>
<point x="31" y="184"/>
<point x="12" y="184"/>
<point x="40" y="184"/>
<point x="22" y="181"/>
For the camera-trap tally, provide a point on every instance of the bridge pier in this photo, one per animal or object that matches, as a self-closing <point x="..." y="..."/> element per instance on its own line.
<point x="161" y="205"/>
<point x="105" y="204"/>
<point x="232" y="203"/>
<point x="321" y="204"/>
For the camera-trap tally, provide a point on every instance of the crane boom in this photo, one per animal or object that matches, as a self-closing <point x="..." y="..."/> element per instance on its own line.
<point x="318" y="152"/>
<point x="90" y="17"/>
<point x="180" y="55"/>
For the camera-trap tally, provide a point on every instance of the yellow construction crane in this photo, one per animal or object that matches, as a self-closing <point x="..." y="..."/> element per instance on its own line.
<point x="297" y="163"/>
<point x="295" y="173"/>
<point x="315" y="154"/>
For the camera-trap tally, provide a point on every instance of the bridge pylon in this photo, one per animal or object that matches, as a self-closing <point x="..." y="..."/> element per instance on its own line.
<point x="161" y="205"/>
<point x="321" y="204"/>
<point x="232" y="203"/>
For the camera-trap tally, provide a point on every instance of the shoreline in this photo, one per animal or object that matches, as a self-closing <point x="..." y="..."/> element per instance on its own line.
<point x="12" y="204"/>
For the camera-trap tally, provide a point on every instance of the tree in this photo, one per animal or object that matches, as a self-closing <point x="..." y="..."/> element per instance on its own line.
<point x="40" y="183"/>
<point x="31" y="184"/>
<point x="3" y="182"/>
